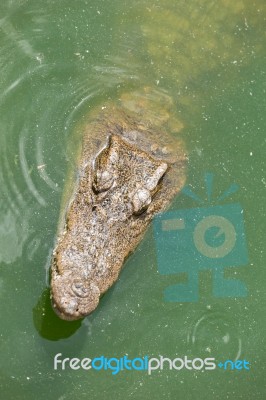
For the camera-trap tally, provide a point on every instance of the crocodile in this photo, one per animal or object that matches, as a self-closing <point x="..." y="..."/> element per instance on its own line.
<point x="129" y="170"/>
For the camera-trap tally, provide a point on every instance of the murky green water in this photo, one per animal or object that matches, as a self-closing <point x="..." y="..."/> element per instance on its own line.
<point x="58" y="60"/>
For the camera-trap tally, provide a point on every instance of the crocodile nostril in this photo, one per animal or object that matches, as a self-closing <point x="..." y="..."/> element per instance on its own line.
<point x="79" y="289"/>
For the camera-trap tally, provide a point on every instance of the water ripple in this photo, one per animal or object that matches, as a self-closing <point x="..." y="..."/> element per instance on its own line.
<point x="215" y="334"/>
<point x="26" y="173"/>
<point x="41" y="165"/>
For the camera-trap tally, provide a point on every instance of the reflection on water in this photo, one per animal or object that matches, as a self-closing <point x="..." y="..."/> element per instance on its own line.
<point x="58" y="61"/>
<point x="48" y="325"/>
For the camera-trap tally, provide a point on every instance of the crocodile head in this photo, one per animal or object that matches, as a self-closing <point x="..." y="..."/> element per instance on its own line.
<point x="118" y="193"/>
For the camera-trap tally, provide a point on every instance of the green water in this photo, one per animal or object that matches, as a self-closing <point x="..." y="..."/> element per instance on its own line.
<point x="58" y="60"/>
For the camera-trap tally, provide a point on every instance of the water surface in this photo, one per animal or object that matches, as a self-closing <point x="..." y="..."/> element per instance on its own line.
<point x="60" y="60"/>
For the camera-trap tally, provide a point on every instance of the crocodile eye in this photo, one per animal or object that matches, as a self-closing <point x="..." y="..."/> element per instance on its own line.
<point x="141" y="200"/>
<point x="103" y="180"/>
